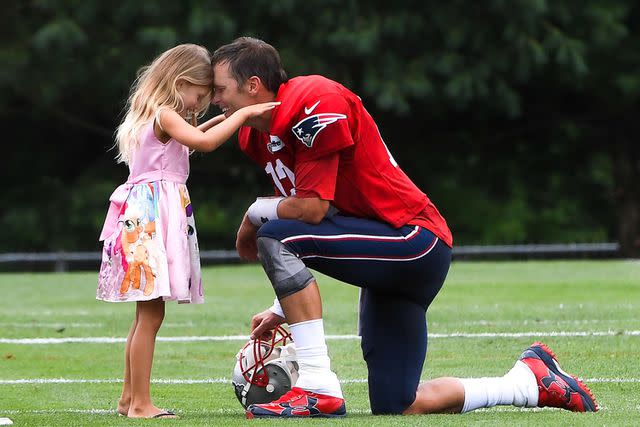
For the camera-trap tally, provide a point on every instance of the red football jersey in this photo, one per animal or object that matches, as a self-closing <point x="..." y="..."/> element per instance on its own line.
<point x="323" y="143"/>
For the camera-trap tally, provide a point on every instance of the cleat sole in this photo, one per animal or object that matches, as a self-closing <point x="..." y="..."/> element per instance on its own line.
<point x="250" y="416"/>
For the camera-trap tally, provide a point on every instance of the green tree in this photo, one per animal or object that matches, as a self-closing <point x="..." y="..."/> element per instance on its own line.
<point x="515" y="116"/>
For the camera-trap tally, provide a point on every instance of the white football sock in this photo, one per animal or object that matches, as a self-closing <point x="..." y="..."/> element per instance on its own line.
<point x="314" y="365"/>
<point x="518" y="387"/>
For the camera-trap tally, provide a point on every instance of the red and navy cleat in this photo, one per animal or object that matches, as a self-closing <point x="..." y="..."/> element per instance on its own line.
<point x="299" y="403"/>
<point x="557" y="388"/>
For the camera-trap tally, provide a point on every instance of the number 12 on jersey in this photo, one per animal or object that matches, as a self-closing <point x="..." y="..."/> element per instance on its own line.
<point x="280" y="172"/>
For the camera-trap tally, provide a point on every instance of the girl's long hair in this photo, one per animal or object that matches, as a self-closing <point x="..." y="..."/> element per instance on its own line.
<point x="155" y="88"/>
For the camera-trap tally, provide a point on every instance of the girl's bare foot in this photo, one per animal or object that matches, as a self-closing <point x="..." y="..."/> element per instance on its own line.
<point x="123" y="406"/>
<point x="150" y="412"/>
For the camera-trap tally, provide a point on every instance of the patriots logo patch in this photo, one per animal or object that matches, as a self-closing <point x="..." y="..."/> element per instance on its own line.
<point x="308" y="128"/>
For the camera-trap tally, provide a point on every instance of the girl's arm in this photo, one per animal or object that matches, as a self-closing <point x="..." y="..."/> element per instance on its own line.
<point x="211" y="122"/>
<point x="177" y="128"/>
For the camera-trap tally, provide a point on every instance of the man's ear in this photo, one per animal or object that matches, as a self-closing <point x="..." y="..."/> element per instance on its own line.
<point x="253" y="85"/>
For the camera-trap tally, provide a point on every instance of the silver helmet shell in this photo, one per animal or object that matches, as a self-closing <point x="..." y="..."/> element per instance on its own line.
<point x="265" y="369"/>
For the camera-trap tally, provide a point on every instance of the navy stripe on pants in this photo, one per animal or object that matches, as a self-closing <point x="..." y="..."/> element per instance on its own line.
<point x="400" y="272"/>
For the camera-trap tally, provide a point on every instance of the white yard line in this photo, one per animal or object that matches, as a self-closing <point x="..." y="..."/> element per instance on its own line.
<point x="111" y="340"/>
<point x="239" y="411"/>
<point x="219" y="411"/>
<point x="526" y="322"/>
<point x="188" y="324"/>
<point x="50" y="325"/>
<point x="56" y="325"/>
<point x="223" y="380"/>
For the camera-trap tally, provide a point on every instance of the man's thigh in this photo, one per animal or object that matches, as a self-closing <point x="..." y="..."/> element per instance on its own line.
<point x="408" y="261"/>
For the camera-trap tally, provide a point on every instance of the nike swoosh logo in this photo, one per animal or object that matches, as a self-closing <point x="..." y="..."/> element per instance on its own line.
<point x="308" y="111"/>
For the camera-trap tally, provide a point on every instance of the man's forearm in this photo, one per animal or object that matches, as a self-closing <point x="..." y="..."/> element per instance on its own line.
<point x="310" y="210"/>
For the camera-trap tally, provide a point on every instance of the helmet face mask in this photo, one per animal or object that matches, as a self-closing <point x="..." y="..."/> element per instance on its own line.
<point x="265" y="369"/>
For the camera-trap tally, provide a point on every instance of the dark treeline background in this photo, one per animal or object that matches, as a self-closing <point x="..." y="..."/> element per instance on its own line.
<point x="519" y="118"/>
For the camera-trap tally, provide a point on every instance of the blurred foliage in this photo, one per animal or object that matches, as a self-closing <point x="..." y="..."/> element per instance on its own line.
<point x="517" y="117"/>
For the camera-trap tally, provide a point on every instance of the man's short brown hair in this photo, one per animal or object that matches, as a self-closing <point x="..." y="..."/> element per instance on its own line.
<point x="247" y="57"/>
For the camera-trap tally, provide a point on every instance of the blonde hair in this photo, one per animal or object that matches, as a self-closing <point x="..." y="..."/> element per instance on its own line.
<point x="155" y="88"/>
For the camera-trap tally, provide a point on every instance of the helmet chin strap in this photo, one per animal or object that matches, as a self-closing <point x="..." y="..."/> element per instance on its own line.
<point x="245" y="392"/>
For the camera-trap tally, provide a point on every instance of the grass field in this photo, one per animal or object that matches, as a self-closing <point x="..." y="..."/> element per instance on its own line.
<point x="487" y="313"/>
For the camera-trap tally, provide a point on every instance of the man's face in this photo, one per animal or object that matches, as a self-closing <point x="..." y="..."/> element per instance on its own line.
<point x="226" y="94"/>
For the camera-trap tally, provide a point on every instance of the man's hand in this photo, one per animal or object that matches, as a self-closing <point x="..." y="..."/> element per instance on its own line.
<point x="246" y="243"/>
<point x="263" y="323"/>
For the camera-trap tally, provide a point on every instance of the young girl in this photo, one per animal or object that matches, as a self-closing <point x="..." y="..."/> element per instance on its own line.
<point x="150" y="250"/>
